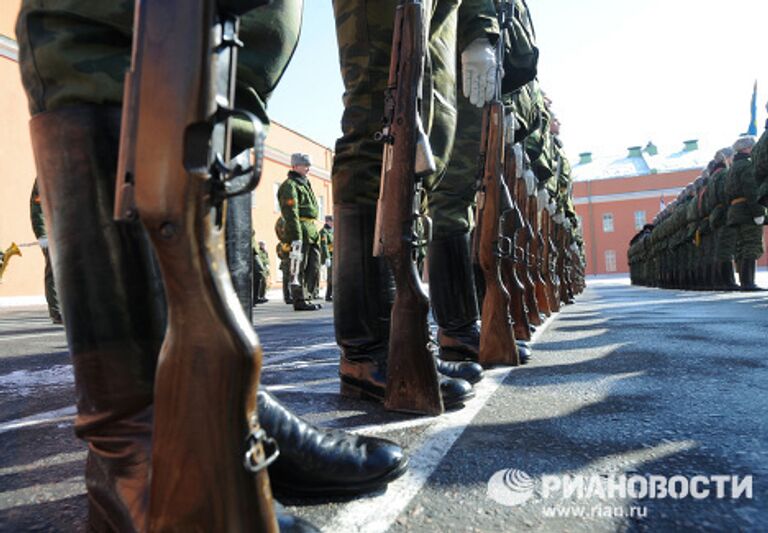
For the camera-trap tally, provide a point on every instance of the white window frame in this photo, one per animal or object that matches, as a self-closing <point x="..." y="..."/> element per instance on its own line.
<point x="610" y="261"/>
<point x="608" y="223"/>
<point x="640" y="223"/>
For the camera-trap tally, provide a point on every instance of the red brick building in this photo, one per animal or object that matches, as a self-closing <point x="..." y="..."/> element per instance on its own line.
<point x="615" y="197"/>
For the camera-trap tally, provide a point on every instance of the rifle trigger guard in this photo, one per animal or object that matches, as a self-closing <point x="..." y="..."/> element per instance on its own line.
<point x="230" y="173"/>
<point x="504" y="247"/>
<point x="259" y="436"/>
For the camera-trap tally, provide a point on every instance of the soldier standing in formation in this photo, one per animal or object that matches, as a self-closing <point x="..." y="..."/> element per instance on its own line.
<point x="299" y="210"/>
<point x="716" y="220"/>
<point x="260" y="272"/>
<point x="73" y="57"/>
<point x="326" y="255"/>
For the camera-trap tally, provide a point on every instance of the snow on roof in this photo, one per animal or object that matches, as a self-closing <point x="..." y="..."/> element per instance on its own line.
<point x="638" y="162"/>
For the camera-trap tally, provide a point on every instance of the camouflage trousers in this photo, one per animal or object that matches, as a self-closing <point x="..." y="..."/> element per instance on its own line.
<point x="742" y="241"/>
<point x="451" y="201"/>
<point x="364" y="32"/>
<point x="75" y="52"/>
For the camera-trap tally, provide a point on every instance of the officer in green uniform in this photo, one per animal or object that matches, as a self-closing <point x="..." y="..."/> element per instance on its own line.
<point x="73" y="57"/>
<point x="260" y="272"/>
<point x="363" y="285"/>
<point x="38" y="227"/>
<point x="326" y="255"/>
<point x="746" y="215"/>
<point x="299" y="209"/>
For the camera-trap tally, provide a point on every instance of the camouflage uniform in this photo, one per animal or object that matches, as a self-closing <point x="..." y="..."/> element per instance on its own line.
<point x="451" y="200"/>
<point x="364" y="34"/>
<point x="746" y="237"/>
<point x="760" y="162"/>
<point x="260" y="273"/>
<point x="77" y="51"/>
<point x="38" y="226"/>
<point x="299" y="209"/>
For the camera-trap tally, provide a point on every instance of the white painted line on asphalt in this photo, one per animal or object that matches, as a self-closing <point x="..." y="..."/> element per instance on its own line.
<point x="293" y="353"/>
<point x="58" y="459"/>
<point x="377" y="513"/>
<point x="32" y="336"/>
<point x="48" y="417"/>
<point x="43" y="493"/>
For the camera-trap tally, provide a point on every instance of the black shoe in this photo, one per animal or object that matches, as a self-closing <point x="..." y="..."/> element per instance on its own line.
<point x="329" y="298"/>
<point x="288" y="301"/>
<point x="304" y="305"/>
<point x="262" y="300"/>
<point x="325" y="462"/>
<point x="288" y="523"/>
<point x="364" y="379"/>
<point x="467" y="370"/>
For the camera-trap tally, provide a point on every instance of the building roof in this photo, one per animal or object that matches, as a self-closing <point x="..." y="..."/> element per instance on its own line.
<point x="640" y="161"/>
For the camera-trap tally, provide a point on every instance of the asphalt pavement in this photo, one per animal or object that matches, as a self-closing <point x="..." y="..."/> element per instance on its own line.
<point x="638" y="406"/>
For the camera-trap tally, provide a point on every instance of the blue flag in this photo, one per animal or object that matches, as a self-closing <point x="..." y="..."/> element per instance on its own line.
<point x="752" y="130"/>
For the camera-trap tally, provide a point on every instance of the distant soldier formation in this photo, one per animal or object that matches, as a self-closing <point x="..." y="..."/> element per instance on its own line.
<point x="713" y="229"/>
<point x="166" y="361"/>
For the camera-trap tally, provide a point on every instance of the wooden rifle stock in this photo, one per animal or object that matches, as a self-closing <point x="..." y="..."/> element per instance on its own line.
<point x="172" y="174"/>
<point x="497" y="338"/>
<point x="412" y="381"/>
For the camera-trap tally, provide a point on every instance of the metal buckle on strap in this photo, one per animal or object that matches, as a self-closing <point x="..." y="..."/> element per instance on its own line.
<point x="251" y="462"/>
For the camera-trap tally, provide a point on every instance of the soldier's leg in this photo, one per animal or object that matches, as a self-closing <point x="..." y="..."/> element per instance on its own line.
<point x="749" y="248"/>
<point x="725" y="250"/>
<point x="106" y="290"/>
<point x="285" y="269"/>
<point x="329" y="283"/>
<point x="50" y="290"/>
<point x="451" y="274"/>
<point x="363" y="284"/>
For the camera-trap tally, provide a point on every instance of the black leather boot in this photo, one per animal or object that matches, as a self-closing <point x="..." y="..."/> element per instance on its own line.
<point x="362" y="303"/>
<point x="454" y="304"/>
<point x="323" y="462"/>
<point x="747" y="268"/>
<point x="111" y="294"/>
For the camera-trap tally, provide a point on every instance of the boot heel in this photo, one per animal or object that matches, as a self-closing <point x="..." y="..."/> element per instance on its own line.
<point x="350" y="391"/>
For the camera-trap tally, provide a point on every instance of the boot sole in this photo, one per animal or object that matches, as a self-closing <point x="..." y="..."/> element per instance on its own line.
<point x="351" y="390"/>
<point x="334" y="490"/>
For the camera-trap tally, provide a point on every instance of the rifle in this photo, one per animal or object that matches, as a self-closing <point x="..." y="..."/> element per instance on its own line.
<point x="512" y="264"/>
<point x="208" y="457"/>
<point x="549" y="257"/>
<point x="526" y="265"/>
<point x="536" y="243"/>
<point x="490" y="243"/>
<point x="412" y="381"/>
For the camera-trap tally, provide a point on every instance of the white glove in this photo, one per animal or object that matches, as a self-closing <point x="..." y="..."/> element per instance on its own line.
<point x="478" y="69"/>
<point x="543" y="198"/>
<point x="530" y="182"/>
<point x="558" y="218"/>
<point x="759" y="220"/>
<point x="327" y="263"/>
<point x="43" y="242"/>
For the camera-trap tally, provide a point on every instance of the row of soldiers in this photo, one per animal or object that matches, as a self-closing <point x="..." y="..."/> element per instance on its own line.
<point x="73" y="59"/>
<point x="716" y="221"/>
